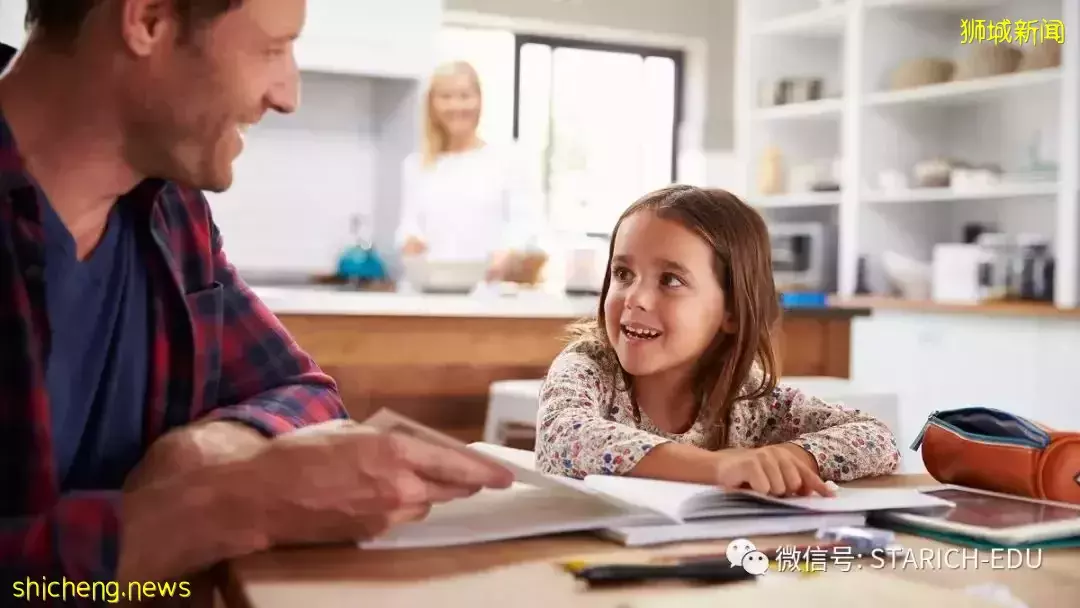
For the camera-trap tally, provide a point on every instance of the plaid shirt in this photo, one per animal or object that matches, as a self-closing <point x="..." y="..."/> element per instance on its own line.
<point x="216" y="353"/>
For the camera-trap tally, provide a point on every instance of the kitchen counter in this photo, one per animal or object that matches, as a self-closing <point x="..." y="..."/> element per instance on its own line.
<point x="988" y="309"/>
<point x="434" y="357"/>
<point x="335" y="301"/>
<point x="332" y="301"/>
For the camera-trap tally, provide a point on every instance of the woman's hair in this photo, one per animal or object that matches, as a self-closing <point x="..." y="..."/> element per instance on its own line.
<point x="742" y="263"/>
<point x="434" y="134"/>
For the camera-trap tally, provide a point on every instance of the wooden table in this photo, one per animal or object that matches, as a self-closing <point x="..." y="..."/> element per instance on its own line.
<point x="525" y="573"/>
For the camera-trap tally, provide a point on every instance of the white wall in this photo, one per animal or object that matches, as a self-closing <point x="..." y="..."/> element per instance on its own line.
<point x="12" y="17"/>
<point x="302" y="177"/>
<point x="1025" y="365"/>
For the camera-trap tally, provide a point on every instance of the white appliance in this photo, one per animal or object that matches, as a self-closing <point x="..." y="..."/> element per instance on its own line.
<point x="956" y="273"/>
<point x="803" y="256"/>
<point x="586" y="264"/>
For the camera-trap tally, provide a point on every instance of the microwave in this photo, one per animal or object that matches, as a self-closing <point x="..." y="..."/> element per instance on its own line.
<point x="803" y="256"/>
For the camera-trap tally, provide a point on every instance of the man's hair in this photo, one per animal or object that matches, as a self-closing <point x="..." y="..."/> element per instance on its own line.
<point x="60" y="20"/>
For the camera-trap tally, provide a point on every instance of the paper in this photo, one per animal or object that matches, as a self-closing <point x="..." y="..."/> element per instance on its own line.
<point x="681" y="501"/>
<point x="520" y="511"/>
<point x="850" y="500"/>
<point x="524" y="472"/>
<point x="390" y="421"/>
<point x="730" y="527"/>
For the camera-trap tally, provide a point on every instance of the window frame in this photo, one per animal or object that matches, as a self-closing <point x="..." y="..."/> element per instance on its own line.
<point x="677" y="56"/>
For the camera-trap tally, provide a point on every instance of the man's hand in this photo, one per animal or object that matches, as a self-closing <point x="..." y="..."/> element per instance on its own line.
<point x="353" y="483"/>
<point x="778" y="470"/>
<point x="334" y="483"/>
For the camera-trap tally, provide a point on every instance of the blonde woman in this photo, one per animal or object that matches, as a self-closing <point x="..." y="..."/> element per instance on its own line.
<point x="465" y="199"/>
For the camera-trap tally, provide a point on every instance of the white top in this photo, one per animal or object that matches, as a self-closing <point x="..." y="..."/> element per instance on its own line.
<point x="471" y="203"/>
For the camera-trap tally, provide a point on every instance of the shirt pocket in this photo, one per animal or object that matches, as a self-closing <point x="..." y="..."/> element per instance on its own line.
<point x="207" y="310"/>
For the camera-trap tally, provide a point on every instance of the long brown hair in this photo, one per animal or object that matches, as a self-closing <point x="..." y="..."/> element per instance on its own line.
<point x="742" y="264"/>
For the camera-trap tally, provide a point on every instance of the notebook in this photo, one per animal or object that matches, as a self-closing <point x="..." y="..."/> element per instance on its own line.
<point x="539" y="504"/>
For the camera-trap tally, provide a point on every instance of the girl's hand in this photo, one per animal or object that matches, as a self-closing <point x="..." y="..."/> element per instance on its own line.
<point x="777" y="470"/>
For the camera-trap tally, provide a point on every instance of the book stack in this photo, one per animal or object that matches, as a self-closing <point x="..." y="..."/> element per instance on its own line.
<point x="629" y="511"/>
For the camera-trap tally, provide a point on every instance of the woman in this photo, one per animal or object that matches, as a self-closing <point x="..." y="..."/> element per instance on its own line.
<point x="464" y="198"/>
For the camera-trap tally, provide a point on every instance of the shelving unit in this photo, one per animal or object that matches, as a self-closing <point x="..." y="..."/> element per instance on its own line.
<point x="1018" y="121"/>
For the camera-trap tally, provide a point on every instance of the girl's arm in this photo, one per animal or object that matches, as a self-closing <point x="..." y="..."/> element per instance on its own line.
<point x="572" y="437"/>
<point x="847" y="444"/>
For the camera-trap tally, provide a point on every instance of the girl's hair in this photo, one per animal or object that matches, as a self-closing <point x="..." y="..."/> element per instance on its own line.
<point x="742" y="263"/>
<point x="434" y="134"/>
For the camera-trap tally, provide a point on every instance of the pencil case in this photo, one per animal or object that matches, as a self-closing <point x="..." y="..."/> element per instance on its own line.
<point x="988" y="449"/>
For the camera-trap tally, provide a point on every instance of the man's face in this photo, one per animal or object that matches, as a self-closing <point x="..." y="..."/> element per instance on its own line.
<point x="188" y="101"/>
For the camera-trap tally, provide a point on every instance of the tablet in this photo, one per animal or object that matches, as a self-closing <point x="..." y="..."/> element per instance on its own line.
<point x="995" y="517"/>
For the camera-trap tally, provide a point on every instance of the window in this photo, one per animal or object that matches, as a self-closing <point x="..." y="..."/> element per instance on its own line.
<point x="600" y="121"/>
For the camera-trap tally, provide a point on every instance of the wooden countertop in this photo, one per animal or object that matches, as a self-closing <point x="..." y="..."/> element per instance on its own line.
<point x="525" y="573"/>
<point x="330" y="301"/>
<point x="990" y="309"/>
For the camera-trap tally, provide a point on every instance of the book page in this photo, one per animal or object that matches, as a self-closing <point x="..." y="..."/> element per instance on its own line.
<point x="517" y="512"/>
<point x="669" y="498"/>
<point x="392" y="422"/>
<point x="681" y="501"/>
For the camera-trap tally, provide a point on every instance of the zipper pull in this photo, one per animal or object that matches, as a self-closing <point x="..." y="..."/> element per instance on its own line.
<point x="922" y="432"/>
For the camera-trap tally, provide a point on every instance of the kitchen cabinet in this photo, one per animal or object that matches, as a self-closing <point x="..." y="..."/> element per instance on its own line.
<point x="945" y="361"/>
<point x="12" y="17"/>
<point x="370" y="37"/>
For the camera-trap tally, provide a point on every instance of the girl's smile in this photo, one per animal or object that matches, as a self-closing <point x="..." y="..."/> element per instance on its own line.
<point x="664" y="304"/>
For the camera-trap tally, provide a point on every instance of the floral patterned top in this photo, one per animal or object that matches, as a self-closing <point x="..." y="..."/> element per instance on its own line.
<point x="586" y="426"/>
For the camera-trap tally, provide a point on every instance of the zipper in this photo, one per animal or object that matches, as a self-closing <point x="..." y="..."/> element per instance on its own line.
<point x="922" y="432"/>
<point x="977" y="437"/>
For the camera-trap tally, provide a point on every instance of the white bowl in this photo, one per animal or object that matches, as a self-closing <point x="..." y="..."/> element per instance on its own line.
<point x="438" y="275"/>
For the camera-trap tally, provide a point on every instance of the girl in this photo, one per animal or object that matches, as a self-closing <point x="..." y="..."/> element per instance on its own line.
<point x="677" y="379"/>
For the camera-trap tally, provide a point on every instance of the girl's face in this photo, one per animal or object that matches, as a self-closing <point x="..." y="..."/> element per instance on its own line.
<point x="455" y="104"/>
<point x="664" y="305"/>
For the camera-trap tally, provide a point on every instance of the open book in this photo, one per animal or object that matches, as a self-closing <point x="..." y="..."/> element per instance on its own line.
<point x="628" y="510"/>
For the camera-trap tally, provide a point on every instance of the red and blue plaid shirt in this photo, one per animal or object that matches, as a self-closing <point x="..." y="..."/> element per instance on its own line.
<point x="216" y="353"/>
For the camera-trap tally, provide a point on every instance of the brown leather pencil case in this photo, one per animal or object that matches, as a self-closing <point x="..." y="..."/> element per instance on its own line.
<point x="989" y="449"/>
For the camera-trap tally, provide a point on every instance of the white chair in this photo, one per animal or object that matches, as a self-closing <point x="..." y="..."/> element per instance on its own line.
<point x="510" y="402"/>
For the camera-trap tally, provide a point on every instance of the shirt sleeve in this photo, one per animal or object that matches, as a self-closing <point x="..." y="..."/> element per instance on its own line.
<point x="267" y="381"/>
<point x="76" y="538"/>
<point x="573" y="438"/>
<point x="847" y="444"/>
<point x="412" y="221"/>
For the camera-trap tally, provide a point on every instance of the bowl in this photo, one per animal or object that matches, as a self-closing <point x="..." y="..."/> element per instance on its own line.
<point x="443" y="275"/>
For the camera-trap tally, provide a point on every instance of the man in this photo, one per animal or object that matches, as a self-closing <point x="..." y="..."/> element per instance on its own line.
<point x="146" y="395"/>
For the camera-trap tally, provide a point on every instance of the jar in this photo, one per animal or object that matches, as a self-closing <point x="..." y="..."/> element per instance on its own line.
<point x="995" y="267"/>
<point x="1033" y="273"/>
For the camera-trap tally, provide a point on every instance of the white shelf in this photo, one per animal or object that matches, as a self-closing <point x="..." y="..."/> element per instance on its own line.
<point x="798" y="199"/>
<point x="933" y="195"/>
<point x="1015" y="121"/>
<point x="966" y="91"/>
<point x="825" y="22"/>
<point x="947" y="6"/>
<point x="822" y="108"/>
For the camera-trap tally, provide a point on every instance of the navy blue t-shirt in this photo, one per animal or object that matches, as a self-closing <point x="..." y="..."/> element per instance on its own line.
<point x="97" y="369"/>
